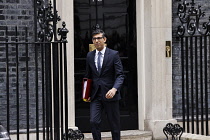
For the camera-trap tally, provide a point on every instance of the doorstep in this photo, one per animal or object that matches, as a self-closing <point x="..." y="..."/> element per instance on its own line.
<point x="189" y="136"/>
<point x="125" y="135"/>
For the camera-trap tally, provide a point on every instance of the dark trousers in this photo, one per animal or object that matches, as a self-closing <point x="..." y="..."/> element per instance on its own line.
<point x="113" y="115"/>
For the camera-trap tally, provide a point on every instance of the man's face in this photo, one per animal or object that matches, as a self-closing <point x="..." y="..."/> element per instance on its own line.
<point x="99" y="41"/>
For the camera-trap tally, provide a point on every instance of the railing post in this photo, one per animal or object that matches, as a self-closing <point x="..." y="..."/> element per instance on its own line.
<point x="63" y="33"/>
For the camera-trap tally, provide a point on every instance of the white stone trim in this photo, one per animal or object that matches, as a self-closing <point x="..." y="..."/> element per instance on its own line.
<point x="66" y="11"/>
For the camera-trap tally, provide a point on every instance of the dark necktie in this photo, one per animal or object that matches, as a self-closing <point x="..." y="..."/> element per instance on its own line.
<point x="99" y="62"/>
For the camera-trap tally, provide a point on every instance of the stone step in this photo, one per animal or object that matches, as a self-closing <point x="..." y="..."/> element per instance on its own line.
<point x="188" y="136"/>
<point x="125" y="135"/>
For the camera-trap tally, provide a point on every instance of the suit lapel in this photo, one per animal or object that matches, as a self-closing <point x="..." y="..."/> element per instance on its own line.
<point x="93" y="61"/>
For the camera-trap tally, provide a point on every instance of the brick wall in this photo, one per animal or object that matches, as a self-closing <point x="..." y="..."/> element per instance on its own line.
<point x="18" y="13"/>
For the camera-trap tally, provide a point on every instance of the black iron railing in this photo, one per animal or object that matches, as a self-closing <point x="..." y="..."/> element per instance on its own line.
<point x="33" y="63"/>
<point x="36" y="77"/>
<point x="173" y="131"/>
<point x="194" y="35"/>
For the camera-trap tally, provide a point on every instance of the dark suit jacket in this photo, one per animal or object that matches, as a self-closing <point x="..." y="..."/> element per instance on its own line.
<point x="111" y="74"/>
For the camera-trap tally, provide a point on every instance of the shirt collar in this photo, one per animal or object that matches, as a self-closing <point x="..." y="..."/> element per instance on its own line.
<point x="102" y="51"/>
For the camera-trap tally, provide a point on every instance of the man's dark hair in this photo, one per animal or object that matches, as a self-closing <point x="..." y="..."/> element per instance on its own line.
<point x="98" y="31"/>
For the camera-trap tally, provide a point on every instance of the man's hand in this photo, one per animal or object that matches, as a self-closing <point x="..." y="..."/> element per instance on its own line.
<point x="110" y="94"/>
<point x="88" y="100"/>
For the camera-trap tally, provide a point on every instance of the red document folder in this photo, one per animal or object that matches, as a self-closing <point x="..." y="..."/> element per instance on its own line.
<point x="86" y="89"/>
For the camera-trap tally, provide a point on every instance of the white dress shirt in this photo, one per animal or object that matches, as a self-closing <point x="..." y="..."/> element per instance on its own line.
<point x="102" y="57"/>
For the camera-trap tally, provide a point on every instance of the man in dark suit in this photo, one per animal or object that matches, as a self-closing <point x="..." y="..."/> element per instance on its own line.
<point x="104" y="67"/>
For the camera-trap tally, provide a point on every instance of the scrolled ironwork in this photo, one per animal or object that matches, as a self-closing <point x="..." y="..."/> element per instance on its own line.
<point x="175" y="131"/>
<point x="45" y="18"/>
<point x="191" y="19"/>
<point x="74" y="135"/>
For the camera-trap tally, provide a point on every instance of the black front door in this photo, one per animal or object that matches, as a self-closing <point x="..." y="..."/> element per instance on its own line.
<point x="118" y="19"/>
